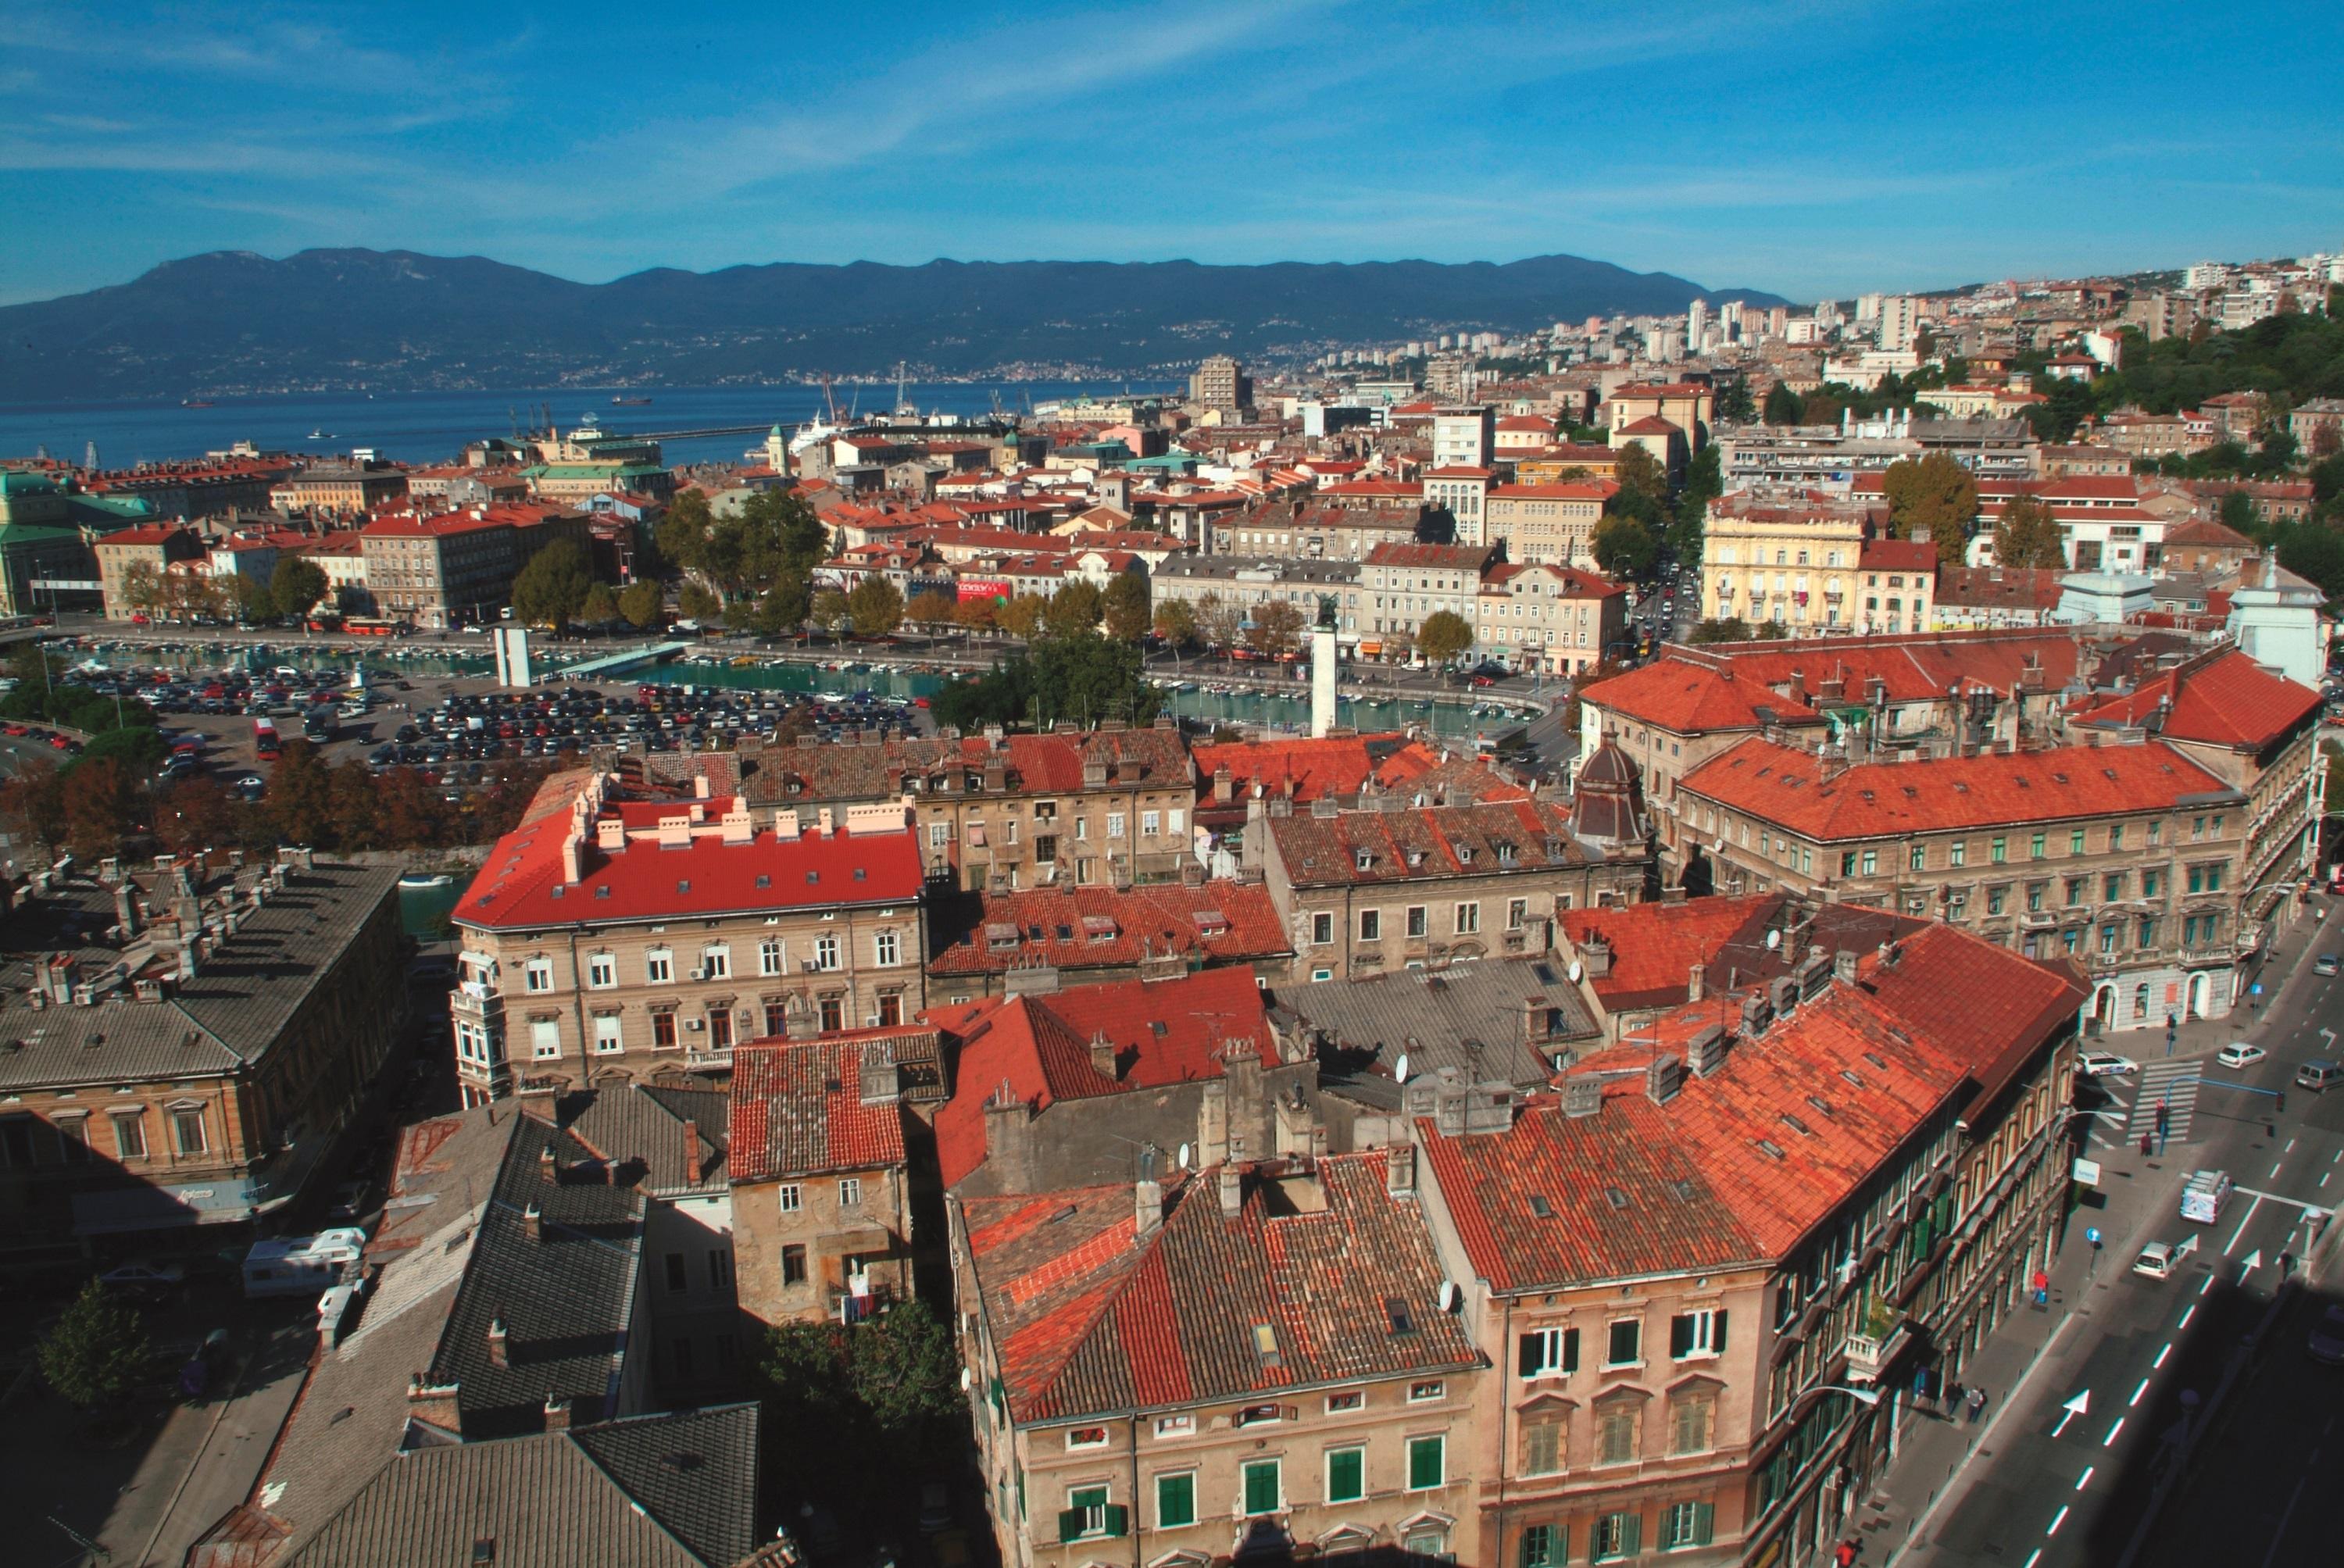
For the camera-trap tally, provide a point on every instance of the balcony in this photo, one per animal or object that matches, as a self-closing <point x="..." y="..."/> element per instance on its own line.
<point x="1871" y="1349"/>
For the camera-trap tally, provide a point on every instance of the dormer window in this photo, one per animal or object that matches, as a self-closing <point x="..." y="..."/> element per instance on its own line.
<point x="1364" y="860"/>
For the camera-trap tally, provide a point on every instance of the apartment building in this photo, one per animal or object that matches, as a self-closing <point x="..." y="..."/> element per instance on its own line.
<point x="1248" y="581"/>
<point x="456" y="568"/>
<point x="821" y="1199"/>
<point x="1898" y="588"/>
<point x="1793" y="558"/>
<point x="982" y="945"/>
<point x="2126" y="858"/>
<point x="1829" y="457"/>
<point x="190" y="1095"/>
<point x="1303" y="530"/>
<point x="1464" y="438"/>
<point x="1221" y="385"/>
<point x="339" y="489"/>
<point x="1375" y="892"/>
<point x="1107" y="807"/>
<point x="1567" y="462"/>
<point x="1549" y="523"/>
<point x="608" y="939"/>
<point x="1687" y="405"/>
<point x="1402" y="584"/>
<point x="1248" y="1357"/>
<point x="131" y="563"/>
<point x="1463" y="493"/>
<point x="1548" y="617"/>
<point x="1666" y="1343"/>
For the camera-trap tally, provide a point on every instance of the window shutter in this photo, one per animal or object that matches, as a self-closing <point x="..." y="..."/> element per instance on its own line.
<point x="1526" y="1358"/>
<point x="1118" y="1520"/>
<point x="1631" y="1534"/>
<point x="1571" y="1349"/>
<point x="1070" y="1523"/>
<point x="1717" y="1332"/>
<point x="1679" y="1337"/>
<point x="1704" y="1520"/>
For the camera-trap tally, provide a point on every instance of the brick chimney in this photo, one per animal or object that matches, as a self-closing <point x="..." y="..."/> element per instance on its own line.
<point x="557" y="1413"/>
<point x="1399" y="1169"/>
<point x="1103" y="1055"/>
<point x="434" y="1405"/>
<point x="692" y="1154"/>
<point x="533" y="1223"/>
<point x="498" y="1354"/>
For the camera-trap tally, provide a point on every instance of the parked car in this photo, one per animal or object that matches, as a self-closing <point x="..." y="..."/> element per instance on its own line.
<point x="2318" y="1077"/>
<point x="2238" y="1054"/>
<point x="2104" y="1064"/>
<point x="142" y="1273"/>
<point x="2327" y="963"/>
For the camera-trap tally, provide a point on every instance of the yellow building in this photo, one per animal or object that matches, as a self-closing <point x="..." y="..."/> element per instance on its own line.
<point x="1790" y="559"/>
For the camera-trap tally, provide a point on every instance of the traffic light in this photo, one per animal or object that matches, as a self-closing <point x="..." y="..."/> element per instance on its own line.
<point x="2282" y="1099"/>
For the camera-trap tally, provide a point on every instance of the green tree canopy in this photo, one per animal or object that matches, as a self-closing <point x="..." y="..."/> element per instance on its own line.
<point x="1022" y="616"/>
<point x="640" y="604"/>
<point x="1444" y="636"/>
<point x="1934" y="498"/>
<point x="1218" y="620"/>
<point x="830" y="610"/>
<point x="97" y="1350"/>
<point x="2239" y="513"/>
<point x="601" y="604"/>
<point x="1077" y="606"/>
<point x="1275" y="627"/>
<point x="297" y="585"/>
<point x="698" y="603"/>
<point x="1783" y="407"/>
<point x="848" y="1411"/>
<point x="1732" y="629"/>
<point x="1733" y="403"/>
<point x="1639" y="472"/>
<point x="1624" y="547"/>
<point x="1125" y="606"/>
<point x="1176" y="622"/>
<point x="1087" y="678"/>
<point x="875" y="606"/>
<point x="2316" y="552"/>
<point x="2027" y="536"/>
<point x="772" y="535"/>
<point x="550" y="591"/>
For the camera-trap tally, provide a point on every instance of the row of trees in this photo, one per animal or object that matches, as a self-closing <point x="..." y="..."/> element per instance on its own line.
<point x="1645" y="518"/>
<point x="291" y="590"/>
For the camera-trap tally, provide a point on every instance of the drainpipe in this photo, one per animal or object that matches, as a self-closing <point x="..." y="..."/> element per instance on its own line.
<point x="1138" y="1528"/>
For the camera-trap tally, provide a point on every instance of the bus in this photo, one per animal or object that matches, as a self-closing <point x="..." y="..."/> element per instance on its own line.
<point x="265" y="744"/>
<point x="369" y="626"/>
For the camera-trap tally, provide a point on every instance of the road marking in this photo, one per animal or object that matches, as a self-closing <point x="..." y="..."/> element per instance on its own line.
<point x="2241" y="1230"/>
<point x="2290" y="1146"/>
<point x="2189" y="1313"/>
<point x="2071" y="1410"/>
<point x="2324" y="1176"/>
<point x="2112" y="1432"/>
<point x="2137" y="1393"/>
<point x="2085" y="1479"/>
<point x="2274" y="1169"/>
<point x="2158" y="1365"/>
<point x="2062" y="1519"/>
<point x="2206" y="1284"/>
<point x="2037" y="1557"/>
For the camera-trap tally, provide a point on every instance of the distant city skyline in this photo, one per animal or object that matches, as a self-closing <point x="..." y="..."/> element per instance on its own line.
<point x="1813" y="150"/>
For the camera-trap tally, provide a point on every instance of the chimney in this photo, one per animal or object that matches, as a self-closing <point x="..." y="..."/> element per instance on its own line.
<point x="1399" y="1171"/>
<point x="1696" y="981"/>
<point x="877" y="1073"/>
<point x="1843" y="967"/>
<point x="1223" y="787"/>
<point x="532" y="1221"/>
<point x="557" y="1413"/>
<point x="1103" y="1055"/>
<point x="825" y="822"/>
<point x="1538" y="1020"/>
<point x="1232" y="1186"/>
<point x="611" y="833"/>
<point x="1663" y="1078"/>
<point x="1147" y="1206"/>
<point x="1705" y="1052"/>
<point x="1008" y="1140"/>
<point x="1595" y="957"/>
<point x="498" y="1356"/>
<point x="690" y="1149"/>
<point x="434" y="1405"/>
<point x="1582" y="1095"/>
<point x="573" y="847"/>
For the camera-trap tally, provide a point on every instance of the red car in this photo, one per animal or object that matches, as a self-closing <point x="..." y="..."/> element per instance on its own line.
<point x="18" y="729"/>
<point x="1483" y="680"/>
<point x="59" y="742"/>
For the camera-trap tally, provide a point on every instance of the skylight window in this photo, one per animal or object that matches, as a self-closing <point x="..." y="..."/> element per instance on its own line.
<point x="1541" y="1206"/>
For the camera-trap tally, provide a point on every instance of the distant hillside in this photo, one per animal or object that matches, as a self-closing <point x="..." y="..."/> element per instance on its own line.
<point x="234" y="321"/>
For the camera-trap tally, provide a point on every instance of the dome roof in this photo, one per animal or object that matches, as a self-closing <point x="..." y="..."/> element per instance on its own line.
<point x="1607" y="803"/>
<point x="1607" y="765"/>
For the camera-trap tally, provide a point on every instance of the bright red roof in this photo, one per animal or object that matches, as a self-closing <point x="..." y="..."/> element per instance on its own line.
<point x="1094" y="927"/>
<point x="1795" y="790"/>
<point x="1162" y="1032"/>
<point x="1898" y="555"/>
<point x="798" y="1109"/>
<point x="1655" y="945"/>
<point x="2223" y="699"/>
<point x="1688" y="696"/>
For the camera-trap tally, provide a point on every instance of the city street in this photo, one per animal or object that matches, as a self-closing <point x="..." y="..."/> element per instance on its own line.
<point x="2066" y="1469"/>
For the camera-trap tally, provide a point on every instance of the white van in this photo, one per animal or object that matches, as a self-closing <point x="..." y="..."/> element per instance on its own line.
<point x="301" y="1265"/>
<point x="2203" y="1197"/>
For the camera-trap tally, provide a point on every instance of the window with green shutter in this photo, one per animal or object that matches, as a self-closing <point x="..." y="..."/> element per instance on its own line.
<point x="1427" y="1462"/>
<point x="1085" y="1514"/>
<point x="1176" y="1500"/>
<point x="1262" y="1491"/>
<point x="1544" y="1546"/>
<point x="1686" y="1524"/>
<point x="1615" y="1535"/>
<point x="1347" y="1474"/>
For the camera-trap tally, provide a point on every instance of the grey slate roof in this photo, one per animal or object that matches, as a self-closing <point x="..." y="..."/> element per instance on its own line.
<point x="652" y="1492"/>
<point x="1471" y="1016"/>
<point x="228" y="1016"/>
<point x="639" y="1128"/>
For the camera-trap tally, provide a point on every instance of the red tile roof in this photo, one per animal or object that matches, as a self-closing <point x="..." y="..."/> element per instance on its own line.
<point x="1103" y="927"/>
<point x="1918" y="668"/>
<point x="2223" y="698"/>
<point x="1301" y="770"/>
<point x="1090" y="1317"/>
<point x="521" y="886"/>
<point x="1655" y="945"/>
<point x="1898" y="555"/>
<point x="1163" y="1031"/>
<point x="1438" y="557"/>
<point x="1650" y="425"/>
<point x="1365" y="848"/>
<point x="1794" y="790"/>
<point x="798" y="1109"/>
<point x="1690" y="696"/>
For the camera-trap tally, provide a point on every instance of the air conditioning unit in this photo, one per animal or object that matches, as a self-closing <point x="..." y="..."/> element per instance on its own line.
<point x="701" y="974"/>
<point x="695" y="1025"/>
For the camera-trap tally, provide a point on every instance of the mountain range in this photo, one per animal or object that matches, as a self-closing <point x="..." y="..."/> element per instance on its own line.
<point x="232" y="321"/>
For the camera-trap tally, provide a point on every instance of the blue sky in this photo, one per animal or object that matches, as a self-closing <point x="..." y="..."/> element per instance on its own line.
<point x="1808" y="148"/>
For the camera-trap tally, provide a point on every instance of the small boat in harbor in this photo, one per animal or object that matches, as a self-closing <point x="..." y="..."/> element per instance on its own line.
<point x="426" y="879"/>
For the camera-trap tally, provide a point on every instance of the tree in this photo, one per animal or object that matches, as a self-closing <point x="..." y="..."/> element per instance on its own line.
<point x="933" y="607"/>
<point x="601" y="605"/>
<point x="1003" y="697"/>
<point x="1639" y="472"/>
<point x="1087" y="678"/>
<point x="1732" y="629"/>
<point x="1218" y="620"/>
<point x="142" y="587"/>
<point x="1076" y="607"/>
<point x="1444" y="635"/>
<point x="1176" y="622"/>
<point x="1125" y="606"/>
<point x="552" y="589"/>
<point x="2239" y="515"/>
<point x="104" y="804"/>
<point x="1936" y="498"/>
<point x="2027" y="536"/>
<point x="976" y="614"/>
<point x="1021" y="616"/>
<point x="1733" y="404"/>
<point x="639" y="601"/>
<point x="1624" y="547"/>
<point x="1781" y="405"/>
<point x="830" y="610"/>
<point x="251" y="596"/>
<point x="2315" y="552"/>
<point x="875" y="607"/>
<point x="848" y="1406"/>
<point x="96" y="1352"/>
<point x="297" y="585"/>
<point x="1704" y="483"/>
<point x="698" y="603"/>
<point x="1276" y="626"/>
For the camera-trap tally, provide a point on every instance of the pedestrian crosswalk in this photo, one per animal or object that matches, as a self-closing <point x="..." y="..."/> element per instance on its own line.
<point x="2172" y="1082"/>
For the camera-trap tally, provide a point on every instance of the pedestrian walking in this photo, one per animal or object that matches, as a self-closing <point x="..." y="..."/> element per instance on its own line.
<point x="1976" y="1404"/>
<point x="1953" y="1398"/>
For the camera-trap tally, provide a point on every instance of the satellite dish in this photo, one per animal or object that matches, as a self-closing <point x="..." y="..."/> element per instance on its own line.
<point x="965" y="1380"/>
<point x="1576" y="971"/>
<point x="1184" y="1157"/>
<point x="1774" y="941"/>
<point x="1449" y="1295"/>
<point x="1400" y="1070"/>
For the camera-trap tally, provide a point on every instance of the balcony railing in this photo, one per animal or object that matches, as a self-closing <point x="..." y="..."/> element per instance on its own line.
<point x="1869" y="1354"/>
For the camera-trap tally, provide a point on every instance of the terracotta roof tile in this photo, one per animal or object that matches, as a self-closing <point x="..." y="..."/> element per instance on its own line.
<point x="1100" y="927"/>
<point x="2223" y="698"/>
<point x="798" y="1108"/>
